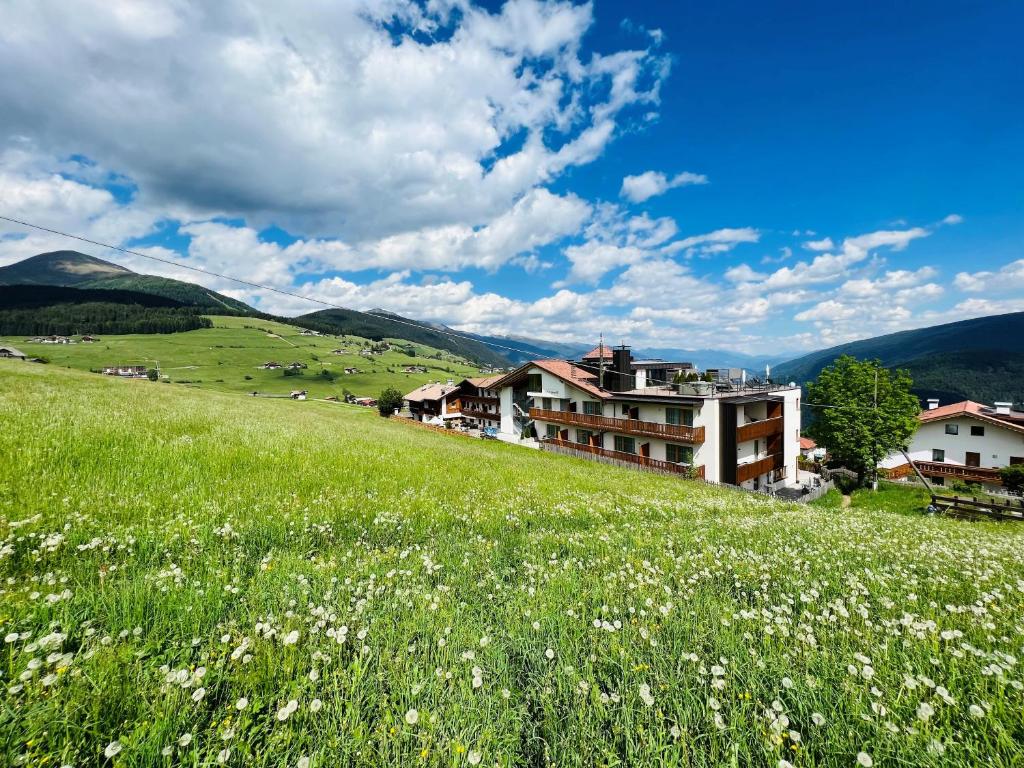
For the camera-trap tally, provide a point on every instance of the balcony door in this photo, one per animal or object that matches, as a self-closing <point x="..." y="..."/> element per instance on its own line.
<point x="972" y="459"/>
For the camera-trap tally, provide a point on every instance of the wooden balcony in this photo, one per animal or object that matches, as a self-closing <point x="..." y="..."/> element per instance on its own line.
<point x="754" y="469"/>
<point x="474" y="413"/>
<point x="673" y="432"/>
<point x="960" y="472"/>
<point x="591" y="451"/>
<point x="758" y="429"/>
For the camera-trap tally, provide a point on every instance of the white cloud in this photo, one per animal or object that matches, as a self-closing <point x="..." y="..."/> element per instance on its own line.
<point x="652" y="183"/>
<point x="953" y="218"/>
<point x="317" y="117"/>
<point x="743" y="273"/>
<point x="1010" y="277"/>
<point x="718" y="241"/>
<point x="824" y="244"/>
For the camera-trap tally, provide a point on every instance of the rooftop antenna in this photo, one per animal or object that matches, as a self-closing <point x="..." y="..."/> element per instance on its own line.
<point x="600" y="355"/>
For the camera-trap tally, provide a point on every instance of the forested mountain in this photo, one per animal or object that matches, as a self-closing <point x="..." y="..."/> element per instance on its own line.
<point x="71" y="268"/>
<point x="980" y="359"/>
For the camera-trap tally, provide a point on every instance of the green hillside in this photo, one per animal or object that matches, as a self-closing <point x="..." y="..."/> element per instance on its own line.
<point x="980" y="359"/>
<point x="228" y="357"/>
<point x="381" y="325"/>
<point x="75" y="269"/>
<point x="266" y="582"/>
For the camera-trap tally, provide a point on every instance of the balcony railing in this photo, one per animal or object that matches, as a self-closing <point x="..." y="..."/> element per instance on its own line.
<point x="675" y="432"/>
<point x="473" y="413"/>
<point x="977" y="474"/>
<point x="759" y="429"/>
<point x="588" y="451"/>
<point x="754" y="469"/>
<point x="479" y="399"/>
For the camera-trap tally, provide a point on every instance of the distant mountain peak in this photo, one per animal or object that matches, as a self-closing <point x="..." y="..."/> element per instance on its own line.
<point x="60" y="267"/>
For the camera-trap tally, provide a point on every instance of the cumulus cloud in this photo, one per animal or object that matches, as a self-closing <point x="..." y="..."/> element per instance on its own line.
<point x="324" y="118"/>
<point x="650" y="184"/>
<point x="1010" y="277"/>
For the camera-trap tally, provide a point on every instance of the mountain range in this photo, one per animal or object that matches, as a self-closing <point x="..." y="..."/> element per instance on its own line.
<point x="980" y="359"/>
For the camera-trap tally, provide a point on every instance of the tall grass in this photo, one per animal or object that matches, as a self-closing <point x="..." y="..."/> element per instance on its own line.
<point x="169" y="556"/>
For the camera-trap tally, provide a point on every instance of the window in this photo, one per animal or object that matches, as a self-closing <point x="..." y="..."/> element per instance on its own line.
<point x="678" y="454"/>
<point x="1016" y="460"/>
<point x="952" y="429"/>
<point x="552" y="430"/>
<point x="938" y="480"/>
<point x="977" y="431"/>
<point x="591" y="408"/>
<point x="938" y="454"/>
<point x="679" y="416"/>
<point x="625" y="409"/>
<point x="583" y="436"/>
<point x="625" y="444"/>
<point x="534" y="382"/>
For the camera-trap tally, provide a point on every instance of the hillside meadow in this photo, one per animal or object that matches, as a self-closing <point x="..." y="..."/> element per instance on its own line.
<point x="196" y="578"/>
<point x="228" y="357"/>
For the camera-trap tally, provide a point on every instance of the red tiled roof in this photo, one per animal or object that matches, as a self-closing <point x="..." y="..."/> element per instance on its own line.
<point x="971" y="409"/>
<point x="572" y="374"/>
<point x="598" y="352"/>
<point x="806" y="444"/>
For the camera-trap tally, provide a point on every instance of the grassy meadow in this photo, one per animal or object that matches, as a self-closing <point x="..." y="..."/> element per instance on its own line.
<point x="200" y="578"/>
<point x="228" y="357"/>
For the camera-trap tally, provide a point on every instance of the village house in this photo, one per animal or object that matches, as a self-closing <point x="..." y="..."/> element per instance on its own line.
<point x="352" y="371"/>
<point x="965" y="441"/>
<point x="478" y="402"/>
<point x="52" y="340"/>
<point x="297" y="366"/>
<point x="415" y="369"/>
<point x="298" y="394"/>
<point x="434" y="402"/>
<point x="735" y="432"/>
<point x="270" y="366"/>
<point x="7" y="351"/>
<point x="126" y="371"/>
<point x="810" y="450"/>
<point x="87" y="339"/>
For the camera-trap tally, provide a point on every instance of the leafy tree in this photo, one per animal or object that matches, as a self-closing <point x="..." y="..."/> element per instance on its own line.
<point x="871" y="412"/>
<point x="388" y="401"/>
<point x="1013" y="478"/>
<point x="152" y="374"/>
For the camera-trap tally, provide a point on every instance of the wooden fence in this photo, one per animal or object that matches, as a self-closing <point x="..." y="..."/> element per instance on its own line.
<point x="974" y="508"/>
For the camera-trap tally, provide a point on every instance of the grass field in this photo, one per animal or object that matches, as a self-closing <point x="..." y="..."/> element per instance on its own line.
<point x="222" y="358"/>
<point x="195" y="578"/>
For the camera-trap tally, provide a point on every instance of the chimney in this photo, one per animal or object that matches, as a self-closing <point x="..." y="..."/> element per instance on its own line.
<point x="1003" y="409"/>
<point x="621" y="378"/>
<point x="933" y="403"/>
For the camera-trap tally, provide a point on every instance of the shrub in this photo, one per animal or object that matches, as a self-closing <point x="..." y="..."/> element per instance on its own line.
<point x="389" y="401"/>
<point x="1013" y="478"/>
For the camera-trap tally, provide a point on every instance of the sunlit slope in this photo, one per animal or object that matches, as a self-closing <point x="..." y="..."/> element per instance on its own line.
<point x="193" y="576"/>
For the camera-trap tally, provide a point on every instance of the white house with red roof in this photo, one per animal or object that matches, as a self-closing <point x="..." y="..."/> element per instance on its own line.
<point x="965" y="441"/>
<point x="740" y="433"/>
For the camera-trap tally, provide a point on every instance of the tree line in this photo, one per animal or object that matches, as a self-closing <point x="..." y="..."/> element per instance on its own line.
<point x="99" y="318"/>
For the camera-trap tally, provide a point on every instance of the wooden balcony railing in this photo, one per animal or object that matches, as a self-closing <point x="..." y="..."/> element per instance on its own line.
<point x="758" y="429"/>
<point x="474" y="413"/>
<point x="588" y="451"/>
<point x="674" y="432"/>
<point x="749" y="471"/>
<point x="976" y="474"/>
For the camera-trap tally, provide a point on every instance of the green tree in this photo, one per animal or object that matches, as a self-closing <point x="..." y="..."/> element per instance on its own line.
<point x="152" y="374"/>
<point x="388" y="401"/>
<point x="865" y="412"/>
<point x="1013" y="478"/>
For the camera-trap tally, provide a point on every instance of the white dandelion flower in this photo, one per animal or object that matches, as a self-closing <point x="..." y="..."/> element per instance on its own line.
<point x="817" y="718"/>
<point x="287" y="710"/>
<point x="112" y="749"/>
<point x="185" y="739"/>
<point x="241" y="704"/>
<point x="315" y="705"/>
<point x="977" y="711"/>
<point x="224" y="755"/>
<point x="474" y="757"/>
<point x="924" y="711"/>
<point x="412" y="717"/>
<point x="291" y="638"/>
<point x="864" y="759"/>
<point x="645" y="695"/>
<point x="197" y="694"/>
<point x="549" y="653"/>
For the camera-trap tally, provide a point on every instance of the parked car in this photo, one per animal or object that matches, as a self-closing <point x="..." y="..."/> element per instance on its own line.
<point x="489" y="433"/>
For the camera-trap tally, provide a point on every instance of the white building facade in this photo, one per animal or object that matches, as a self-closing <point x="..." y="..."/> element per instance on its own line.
<point x="965" y="441"/>
<point x="745" y="436"/>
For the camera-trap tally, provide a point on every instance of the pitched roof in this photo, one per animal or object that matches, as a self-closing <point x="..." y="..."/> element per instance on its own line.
<point x="806" y="444"/>
<point x="598" y="352"/>
<point x="11" y="351"/>
<point x="974" y="410"/>
<point x="429" y="392"/>
<point x="484" y="382"/>
<point x="567" y="372"/>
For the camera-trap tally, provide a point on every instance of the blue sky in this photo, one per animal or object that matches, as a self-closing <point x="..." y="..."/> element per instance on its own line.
<point x="752" y="177"/>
